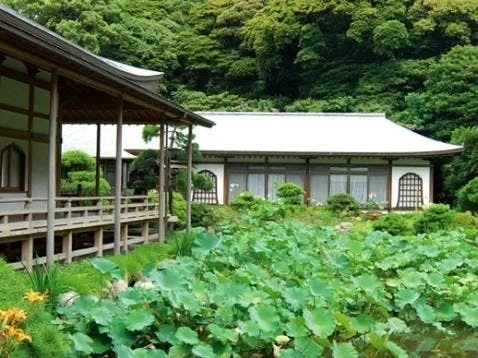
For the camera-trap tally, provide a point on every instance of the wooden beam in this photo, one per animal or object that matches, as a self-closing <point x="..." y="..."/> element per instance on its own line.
<point x="50" y="241"/>
<point x="16" y="109"/>
<point x="23" y="135"/>
<point x="118" y="175"/>
<point x="23" y="77"/>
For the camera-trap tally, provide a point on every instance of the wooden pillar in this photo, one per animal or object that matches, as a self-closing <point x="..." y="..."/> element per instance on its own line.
<point x="266" y="178"/>
<point x="99" y="241"/>
<point x="27" y="252"/>
<point x="307" y="181"/>
<point x="432" y="180"/>
<point x="31" y="102"/>
<point x="145" y="231"/>
<point x="162" y="206"/>
<point x="190" y="177"/>
<point x="67" y="246"/>
<point x="98" y="156"/>
<point x="50" y="238"/>
<point x="118" y="175"/>
<point x="124" y="237"/>
<point x="225" y="184"/>
<point x="389" y="185"/>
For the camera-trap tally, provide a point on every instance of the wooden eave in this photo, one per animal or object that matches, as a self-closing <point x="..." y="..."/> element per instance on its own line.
<point x="29" y="42"/>
<point x="424" y="155"/>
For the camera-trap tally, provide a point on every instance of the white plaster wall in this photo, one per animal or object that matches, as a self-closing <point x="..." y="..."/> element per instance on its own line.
<point x="40" y="170"/>
<point x="423" y="172"/>
<point x="217" y="169"/>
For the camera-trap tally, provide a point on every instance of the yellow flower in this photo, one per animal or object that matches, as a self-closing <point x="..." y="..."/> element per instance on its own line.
<point x="10" y="331"/>
<point x="21" y="336"/>
<point x="34" y="296"/>
<point x="12" y="316"/>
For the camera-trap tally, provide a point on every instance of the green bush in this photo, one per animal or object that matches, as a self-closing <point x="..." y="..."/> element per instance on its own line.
<point x="394" y="224"/>
<point x="468" y="196"/>
<point x="268" y="211"/>
<point x="290" y="193"/>
<point x="343" y="205"/>
<point x="179" y="208"/>
<point x="245" y="200"/>
<point x="202" y="215"/>
<point x="436" y="217"/>
<point x="468" y="223"/>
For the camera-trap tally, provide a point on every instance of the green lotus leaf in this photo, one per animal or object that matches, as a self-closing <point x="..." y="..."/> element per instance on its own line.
<point x="343" y="350"/>
<point x="320" y="321"/>
<point x="187" y="335"/>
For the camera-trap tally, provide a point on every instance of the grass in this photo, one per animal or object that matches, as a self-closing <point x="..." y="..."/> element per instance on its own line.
<point x="47" y="340"/>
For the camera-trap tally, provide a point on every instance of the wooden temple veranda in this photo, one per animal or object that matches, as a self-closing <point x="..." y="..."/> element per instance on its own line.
<point x="45" y="82"/>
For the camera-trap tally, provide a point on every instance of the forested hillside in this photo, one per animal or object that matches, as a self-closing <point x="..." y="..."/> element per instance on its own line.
<point x="416" y="60"/>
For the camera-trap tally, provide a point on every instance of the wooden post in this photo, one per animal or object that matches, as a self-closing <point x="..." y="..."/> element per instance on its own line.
<point x="145" y="231"/>
<point x="67" y="246"/>
<point x="98" y="154"/>
<point x="27" y="252"/>
<point x="50" y="238"/>
<point x="99" y="241"/>
<point x="225" y="183"/>
<point x="118" y="175"/>
<point x="389" y="185"/>
<point x="307" y="182"/>
<point x="124" y="237"/>
<point x="161" y="228"/>
<point x="190" y="176"/>
<point x="432" y="188"/>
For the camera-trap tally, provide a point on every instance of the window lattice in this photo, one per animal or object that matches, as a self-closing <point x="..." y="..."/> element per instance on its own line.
<point x="209" y="196"/>
<point x="410" y="191"/>
<point x="12" y="168"/>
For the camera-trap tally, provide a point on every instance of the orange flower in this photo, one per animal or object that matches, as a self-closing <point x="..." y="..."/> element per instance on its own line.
<point x="34" y="296"/>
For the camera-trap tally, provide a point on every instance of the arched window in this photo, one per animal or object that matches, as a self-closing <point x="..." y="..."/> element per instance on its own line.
<point x="410" y="191"/>
<point x="210" y="196"/>
<point x="12" y="164"/>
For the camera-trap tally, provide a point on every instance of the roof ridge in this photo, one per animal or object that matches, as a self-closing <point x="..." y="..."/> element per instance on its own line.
<point x="305" y="114"/>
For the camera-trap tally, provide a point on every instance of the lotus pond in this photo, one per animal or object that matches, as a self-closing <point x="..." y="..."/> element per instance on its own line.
<point x="264" y="288"/>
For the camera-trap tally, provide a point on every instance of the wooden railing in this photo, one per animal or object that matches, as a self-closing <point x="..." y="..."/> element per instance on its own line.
<point x="24" y="220"/>
<point x="70" y="212"/>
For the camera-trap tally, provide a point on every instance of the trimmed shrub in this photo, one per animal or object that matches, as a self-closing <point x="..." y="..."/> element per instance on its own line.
<point x="343" y="205"/>
<point x="436" y="217"/>
<point x="202" y="215"/>
<point x="290" y="193"/>
<point x="268" y="211"/>
<point x="468" y="196"/>
<point x="245" y="200"/>
<point x="394" y="224"/>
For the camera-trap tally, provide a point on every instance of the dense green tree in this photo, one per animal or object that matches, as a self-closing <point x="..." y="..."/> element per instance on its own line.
<point x="462" y="169"/>
<point x="416" y="60"/>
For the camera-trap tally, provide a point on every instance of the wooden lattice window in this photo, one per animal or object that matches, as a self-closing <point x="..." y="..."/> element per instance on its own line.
<point x="410" y="191"/>
<point x="12" y="169"/>
<point x="209" y="196"/>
